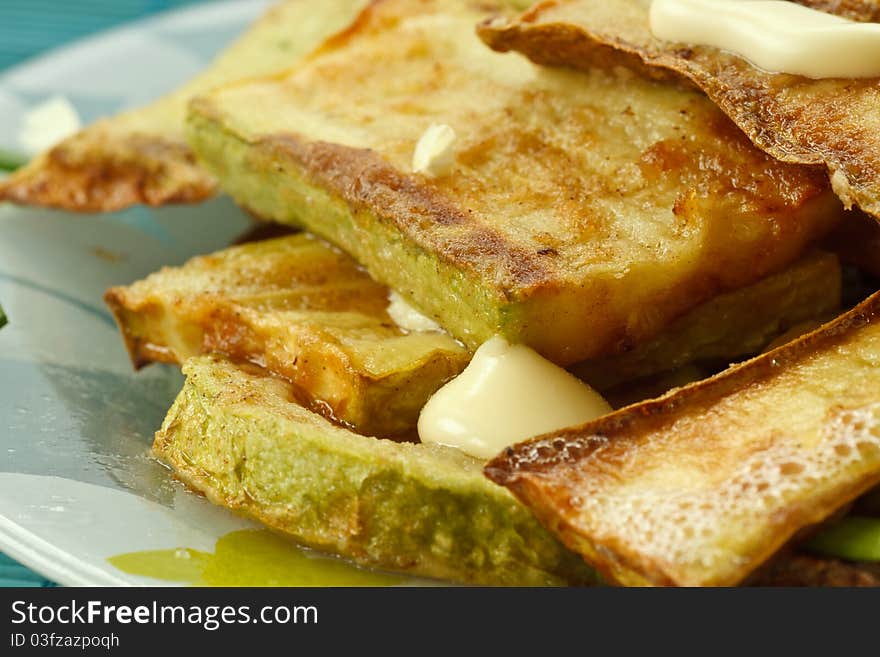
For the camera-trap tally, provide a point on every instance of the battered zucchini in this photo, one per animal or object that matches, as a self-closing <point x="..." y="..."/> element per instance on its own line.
<point x="730" y="326"/>
<point x="10" y="161"/>
<point x="307" y="312"/>
<point x="583" y="213"/>
<point x="141" y="156"/>
<point x="304" y="310"/>
<point x="834" y="123"/>
<point x="413" y="508"/>
<point x="703" y="485"/>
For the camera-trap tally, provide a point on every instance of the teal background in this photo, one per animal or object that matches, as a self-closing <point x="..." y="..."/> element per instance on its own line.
<point x="29" y="28"/>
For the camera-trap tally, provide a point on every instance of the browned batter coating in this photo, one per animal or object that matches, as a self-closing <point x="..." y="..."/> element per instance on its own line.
<point x="703" y="485"/>
<point x="834" y="123"/>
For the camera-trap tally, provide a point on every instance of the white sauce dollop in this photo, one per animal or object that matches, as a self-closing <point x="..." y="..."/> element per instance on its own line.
<point x="507" y="394"/>
<point x="434" y="154"/>
<point x="47" y="124"/>
<point x="407" y="317"/>
<point x="774" y="35"/>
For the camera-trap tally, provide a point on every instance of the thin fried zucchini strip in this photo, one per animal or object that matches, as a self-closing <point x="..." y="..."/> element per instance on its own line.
<point x="703" y="485"/>
<point x="833" y="123"/>
<point x="141" y="156"/>
<point x="306" y="311"/>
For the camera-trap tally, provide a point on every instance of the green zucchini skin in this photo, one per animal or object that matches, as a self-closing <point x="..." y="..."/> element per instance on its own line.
<point x="406" y="507"/>
<point x="10" y="160"/>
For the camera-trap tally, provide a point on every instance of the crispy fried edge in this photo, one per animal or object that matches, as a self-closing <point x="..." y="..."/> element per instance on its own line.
<point x="569" y="569"/>
<point x="81" y="175"/>
<point x="517" y="469"/>
<point x="141" y="352"/>
<point x="145" y="169"/>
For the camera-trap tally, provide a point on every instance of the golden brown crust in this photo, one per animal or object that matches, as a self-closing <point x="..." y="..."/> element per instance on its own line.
<point x="362" y="21"/>
<point x="704" y="484"/>
<point x="582" y="213"/>
<point x="301" y="309"/>
<point x="129" y="313"/>
<point x="420" y="508"/>
<point x="366" y="181"/>
<point x="139" y="351"/>
<point x="83" y="175"/>
<point x="834" y="123"/>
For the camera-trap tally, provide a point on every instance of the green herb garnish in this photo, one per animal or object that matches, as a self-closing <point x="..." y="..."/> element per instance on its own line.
<point x="10" y="160"/>
<point x="854" y="538"/>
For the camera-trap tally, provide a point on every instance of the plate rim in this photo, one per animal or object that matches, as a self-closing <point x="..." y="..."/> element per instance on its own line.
<point x="20" y="544"/>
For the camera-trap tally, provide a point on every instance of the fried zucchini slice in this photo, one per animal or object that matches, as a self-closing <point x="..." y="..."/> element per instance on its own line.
<point x="730" y="326"/>
<point x="582" y="215"/>
<point x="305" y="311"/>
<point x="834" y="123"/>
<point x="703" y="485"/>
<point x="408" y="507"/>
<point x="141" y="156"/>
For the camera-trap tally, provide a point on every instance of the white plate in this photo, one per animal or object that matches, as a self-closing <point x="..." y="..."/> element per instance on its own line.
<point x="77" y="483"/>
